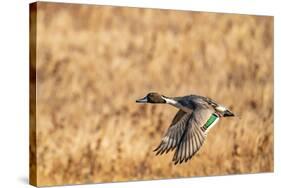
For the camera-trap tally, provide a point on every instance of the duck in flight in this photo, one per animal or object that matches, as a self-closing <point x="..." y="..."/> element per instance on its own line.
<point x="190" y="125"/>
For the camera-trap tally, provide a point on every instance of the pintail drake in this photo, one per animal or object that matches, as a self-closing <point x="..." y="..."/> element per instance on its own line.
<point x="190" y="125"/>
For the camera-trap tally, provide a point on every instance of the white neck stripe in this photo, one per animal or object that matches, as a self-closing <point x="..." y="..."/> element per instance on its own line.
<point x="170" y="101"/>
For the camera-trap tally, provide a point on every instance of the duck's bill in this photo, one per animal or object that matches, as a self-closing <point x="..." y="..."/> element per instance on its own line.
<point x="143" y="100"/>
<point x="228" y="113"/>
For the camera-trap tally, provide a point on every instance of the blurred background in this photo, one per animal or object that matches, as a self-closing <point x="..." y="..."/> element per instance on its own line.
<point x="93" y="62"/>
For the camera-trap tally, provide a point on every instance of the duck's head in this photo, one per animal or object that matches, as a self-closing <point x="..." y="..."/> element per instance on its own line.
<point x="223" y="111"/>
<point x="152" y="98"/>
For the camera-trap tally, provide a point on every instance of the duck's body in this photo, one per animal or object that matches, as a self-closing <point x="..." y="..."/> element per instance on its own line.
<point x="189" y="127"/>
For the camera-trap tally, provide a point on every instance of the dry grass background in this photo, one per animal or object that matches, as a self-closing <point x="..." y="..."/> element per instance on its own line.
<point x="93" y="62"/>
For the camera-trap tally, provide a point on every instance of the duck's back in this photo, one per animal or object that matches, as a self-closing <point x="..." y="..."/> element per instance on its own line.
<point x="196" y="101"/>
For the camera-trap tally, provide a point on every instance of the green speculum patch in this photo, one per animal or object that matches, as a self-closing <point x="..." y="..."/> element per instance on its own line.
<point x="210" y="121"/>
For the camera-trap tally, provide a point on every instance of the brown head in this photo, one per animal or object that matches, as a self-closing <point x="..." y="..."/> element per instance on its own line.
<point x="152" y="98"/>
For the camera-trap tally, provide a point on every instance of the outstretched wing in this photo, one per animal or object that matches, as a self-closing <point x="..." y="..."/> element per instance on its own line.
<point x="175" y="132"/>
<point x="193" y="136"/>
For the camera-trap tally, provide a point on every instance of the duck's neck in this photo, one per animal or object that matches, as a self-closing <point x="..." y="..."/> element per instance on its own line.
<point x="171" y="101"/>
<point x="176" y="104"/>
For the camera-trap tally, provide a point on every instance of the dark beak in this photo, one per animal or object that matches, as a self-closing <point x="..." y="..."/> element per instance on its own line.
<point x="143" y="100"/>
<point x="228" y="113"/>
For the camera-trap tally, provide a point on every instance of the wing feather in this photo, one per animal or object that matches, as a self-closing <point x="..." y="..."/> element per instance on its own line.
<point x="193" y="138"/>
<point x="185" y="135"/>
<point x="174" y="134"/>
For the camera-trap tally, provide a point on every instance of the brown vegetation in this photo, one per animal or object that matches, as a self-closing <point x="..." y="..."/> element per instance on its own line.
<point x="93" y="62"/>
